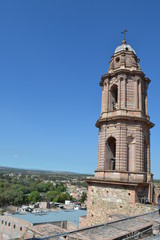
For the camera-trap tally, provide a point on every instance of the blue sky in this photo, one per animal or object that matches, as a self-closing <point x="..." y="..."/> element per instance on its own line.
<point x="52" y="55"/>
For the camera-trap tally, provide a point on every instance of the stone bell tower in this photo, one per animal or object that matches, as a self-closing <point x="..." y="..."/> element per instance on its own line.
<point x="123" y="177"/>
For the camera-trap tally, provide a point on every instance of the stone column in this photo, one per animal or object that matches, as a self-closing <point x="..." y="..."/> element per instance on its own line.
<point x="142" y="149"/>
<point x="138" y="149"/>
<point x="101" y="148"/>
<point x="118" y="146"/>
<point x="146" y="101"/>
<point x="103" y="99"/>
<point x="107" y="97"/>
<point x="124" y="93"/>
<point x="148" y="155"/>
<point x="136" y="94"/>
<point x="109" y="100"/>
<point x="140" y="95"/>
<point x="123" y="147"/>
<point x="119" y="94"/>
<point x="98" y="161"/>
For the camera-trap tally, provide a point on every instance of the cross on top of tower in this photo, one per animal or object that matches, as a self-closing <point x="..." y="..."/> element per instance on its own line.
<point x="124" y="32"/>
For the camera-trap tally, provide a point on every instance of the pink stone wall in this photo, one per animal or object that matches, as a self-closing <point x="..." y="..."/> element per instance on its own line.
<point x="106" y="201"/>
<point x="122" y="131"/>
<point x="11" y="227"/>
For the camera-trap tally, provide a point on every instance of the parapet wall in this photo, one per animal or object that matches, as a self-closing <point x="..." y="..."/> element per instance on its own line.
<point x="11" y="227"/>
<point x="14" y="228"/>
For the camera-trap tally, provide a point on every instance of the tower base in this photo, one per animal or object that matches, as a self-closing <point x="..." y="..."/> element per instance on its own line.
<point x="108" y="201"/>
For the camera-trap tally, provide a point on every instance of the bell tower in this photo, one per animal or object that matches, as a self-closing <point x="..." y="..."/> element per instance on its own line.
<point x="123" y="177"/>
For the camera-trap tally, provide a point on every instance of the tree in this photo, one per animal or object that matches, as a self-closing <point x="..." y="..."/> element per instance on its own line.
<point x="62" y="197"/>
<point x="1" y="184"/>
<point x="60" y="187"/>
<point x="83" y="197"/>
<point x="44" y="187"/>
<point x="34" y="197"/>
<point x="18" y="200"/>
<point x="51" y="195"/>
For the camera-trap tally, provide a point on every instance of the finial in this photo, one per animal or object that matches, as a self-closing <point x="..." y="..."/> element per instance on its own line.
<point x="124" y="32"/>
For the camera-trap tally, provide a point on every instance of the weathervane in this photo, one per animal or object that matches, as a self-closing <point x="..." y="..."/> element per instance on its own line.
<point x="124" y="32"/>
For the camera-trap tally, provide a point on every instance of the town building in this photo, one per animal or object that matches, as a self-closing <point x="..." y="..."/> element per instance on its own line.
<point x="39" y="225"/>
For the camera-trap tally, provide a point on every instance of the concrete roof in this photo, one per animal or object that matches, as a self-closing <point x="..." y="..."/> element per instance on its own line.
<point x="55" y="216"/>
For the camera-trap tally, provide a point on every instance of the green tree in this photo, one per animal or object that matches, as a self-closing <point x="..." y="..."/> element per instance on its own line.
<point x="83" y="197"/>
<point x="2" y="184"/>
<point x="7" y="197"/>
<point x="18" y="200"/>
<point x="62" y="197"/>
<point x="44" y="187"/>
<point x="51" y="195"/>
<point x="34" y="197"/>
<point x="60" y="187"/>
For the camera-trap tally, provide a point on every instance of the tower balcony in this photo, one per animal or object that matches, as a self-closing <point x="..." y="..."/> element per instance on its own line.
<point x="123" y="176"/>
<point x="125" y="113"/>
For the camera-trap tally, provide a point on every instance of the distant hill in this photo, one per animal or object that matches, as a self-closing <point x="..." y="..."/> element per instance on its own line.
<point x="39" y="171"/>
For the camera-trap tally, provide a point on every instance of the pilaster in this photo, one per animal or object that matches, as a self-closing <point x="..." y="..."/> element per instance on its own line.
<point x="138" y="149"/>
<point x="136" y="93"/>
<point x="142" y="148"/>
<point x="146" y="100"/>
<point x="119" y="94"/>
<point x="103" y="100"/>
<point x="102" y="146"/>
<point x="123" y="143"/>
<point x="124" y="92"/>
<point x="148" y="155"/>
<point x="140" y="95"/>
<point x="107" y="95"/>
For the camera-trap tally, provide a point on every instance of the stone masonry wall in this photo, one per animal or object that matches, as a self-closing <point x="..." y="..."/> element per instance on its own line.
<point x="131" y="95"/>
<point x="105" y="202"/>
<point x="122" y="131"/>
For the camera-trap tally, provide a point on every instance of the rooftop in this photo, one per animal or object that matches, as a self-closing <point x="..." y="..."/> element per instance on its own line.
<point x="55" y="216"/>
<point x="137" y="226"/>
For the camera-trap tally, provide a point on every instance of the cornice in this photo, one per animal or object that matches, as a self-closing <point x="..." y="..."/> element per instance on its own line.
<point x="121" y="118"/>
<point x="91" y="181"/>
<point x="124" y="71"/>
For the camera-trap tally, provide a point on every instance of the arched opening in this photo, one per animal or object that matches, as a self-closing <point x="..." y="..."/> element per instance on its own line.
<point x="130" y="154"/>
<point x="110" y="154"/>
<point x="114" y="97"/>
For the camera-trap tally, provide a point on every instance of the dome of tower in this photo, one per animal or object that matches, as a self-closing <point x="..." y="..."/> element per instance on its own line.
<point x="124" y="47"/>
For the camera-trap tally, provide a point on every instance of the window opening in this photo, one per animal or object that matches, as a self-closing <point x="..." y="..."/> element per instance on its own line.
<point x="114" y="97"/>
<point x="110" y="154"/>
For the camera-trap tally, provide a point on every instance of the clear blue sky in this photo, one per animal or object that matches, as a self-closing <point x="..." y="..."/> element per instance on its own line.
<point x="52" y="55"/>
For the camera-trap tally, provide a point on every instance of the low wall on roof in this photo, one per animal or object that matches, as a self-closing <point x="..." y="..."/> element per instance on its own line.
<point x="12" y="227"/>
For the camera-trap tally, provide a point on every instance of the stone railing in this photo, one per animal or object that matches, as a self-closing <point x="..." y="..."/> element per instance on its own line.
<point x="121" y="176"/>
